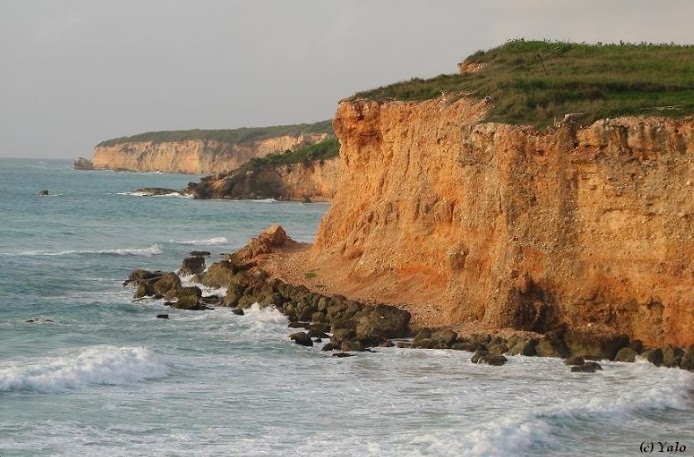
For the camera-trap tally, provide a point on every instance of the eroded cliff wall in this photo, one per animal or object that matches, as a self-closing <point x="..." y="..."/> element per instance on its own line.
<point x="316" y="180"/>
<point x="518" y="227"/>
<point x="193" y="156"/>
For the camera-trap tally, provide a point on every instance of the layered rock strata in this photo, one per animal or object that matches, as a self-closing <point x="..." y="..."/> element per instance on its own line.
<point x="193" y="156"/>
<point x="587" y="226"/>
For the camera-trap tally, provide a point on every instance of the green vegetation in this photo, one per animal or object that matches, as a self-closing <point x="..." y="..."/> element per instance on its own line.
<point x="326" y="149"/>
<point x="233" y="136"/>
<point x="310" y="275"/>
<point x="536" y="82"/>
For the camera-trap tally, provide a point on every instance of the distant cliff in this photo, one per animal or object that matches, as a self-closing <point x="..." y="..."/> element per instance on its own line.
<point x="309" y="173"/>
<point x="314" y="181"/>
<point x="203" y="151"/>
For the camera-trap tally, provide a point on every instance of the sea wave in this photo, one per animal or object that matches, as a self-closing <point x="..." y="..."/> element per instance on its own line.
<point x="99" y="365"/>
<point x="146" y="194"/>
<point x="265" y="200"/>
<point x="217" y="241"/>
<point x="519" y="434"/>
<point x="143" y="252"/>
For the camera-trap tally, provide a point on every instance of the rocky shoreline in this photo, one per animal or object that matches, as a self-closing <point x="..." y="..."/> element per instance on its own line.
<point x="353" y="326"/>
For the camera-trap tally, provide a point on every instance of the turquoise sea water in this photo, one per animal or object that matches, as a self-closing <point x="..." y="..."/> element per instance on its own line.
<point x="98" y="374"/>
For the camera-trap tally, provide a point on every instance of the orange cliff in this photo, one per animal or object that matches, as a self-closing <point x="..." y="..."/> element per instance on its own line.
<point x="505" y="226"/>
<point x="193" y="156"/>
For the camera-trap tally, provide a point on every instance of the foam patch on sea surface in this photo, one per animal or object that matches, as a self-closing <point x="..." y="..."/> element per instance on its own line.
<point x="216" y="241"/>
<point x="99" y="365"/>
<point x="140" y="252"/>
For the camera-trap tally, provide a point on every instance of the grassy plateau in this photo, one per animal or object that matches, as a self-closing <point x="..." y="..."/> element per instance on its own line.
<point x="538" y="82"/>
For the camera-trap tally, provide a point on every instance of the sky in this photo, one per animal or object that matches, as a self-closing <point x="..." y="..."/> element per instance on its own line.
<point x="76" y="72"/>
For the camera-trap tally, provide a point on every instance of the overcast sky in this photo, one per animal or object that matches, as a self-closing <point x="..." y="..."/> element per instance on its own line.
<point x="76" y="72"/>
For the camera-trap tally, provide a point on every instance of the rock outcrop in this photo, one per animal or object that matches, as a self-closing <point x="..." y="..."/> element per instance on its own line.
<point x="314" y="180"/>
<point x="514" y="227"/>
<point x="83" y="164"/>
<point x="193" y="156"/>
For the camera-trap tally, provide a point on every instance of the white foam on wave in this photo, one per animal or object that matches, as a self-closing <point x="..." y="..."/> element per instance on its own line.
<point x="267" y="315"/>
<point x="99" y="365"/>
<point x="216" y="241"/>
<point x="146" y="194"/>
<point x="265" y="200"/>
<point x="140" y="252"/>
<point x="518" y="433"/>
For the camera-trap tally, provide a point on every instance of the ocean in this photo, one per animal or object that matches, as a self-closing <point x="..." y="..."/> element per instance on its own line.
<point x="86" y="370"/>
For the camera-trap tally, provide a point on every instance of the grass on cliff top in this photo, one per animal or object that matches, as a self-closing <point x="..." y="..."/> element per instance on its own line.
<point x="326" y="149"/>
<point x="231" y="136"/>
<point x="534" y="82"/>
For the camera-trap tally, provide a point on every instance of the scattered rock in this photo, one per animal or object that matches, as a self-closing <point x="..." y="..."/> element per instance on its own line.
<point x="238" y="311"/>
<point x="478" y="355"/>
<point x="583" y="369"/>
<point x="162" y="316"/>
<point x="575" y="360"/>
<point x="200" y="253"/>
<point x="83" y="164"/>
<point x="343" y="354"/>
<point x="192" y="265"/>
<point x="301" y="338"/>
<point x="687" y="362"/>
<point x="655" y="356"/>
<point x="626" y="354"/>
<point x="595" y="344"/>
<point x="154" y="191"/>
<point x="525" y="347"/>
<point x="672" y="356"/>
<point x="43" y="192"/>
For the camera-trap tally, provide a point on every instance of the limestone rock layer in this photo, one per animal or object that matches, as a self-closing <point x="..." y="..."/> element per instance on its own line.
<point x="515" y="227"/>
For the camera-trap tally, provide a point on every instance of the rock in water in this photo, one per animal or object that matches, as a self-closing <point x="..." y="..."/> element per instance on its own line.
<point x="43" y="192"/>
<point x="301" y="338"/>
<point x="193" y="265"/>
<point x="83" y="164"/>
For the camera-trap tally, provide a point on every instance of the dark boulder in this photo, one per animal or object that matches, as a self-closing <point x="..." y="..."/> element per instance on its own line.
<point x="343" y="354"/>
<point x="219" y="274"/>
<point x="626" y="354"/>
<point x="352" y="345"/>
<point x="162" y="316"/>
<point x="575" y="360"/>
<point x="238" y="311"/>
<point x="583" y="369"/>
<point x="43" y="192"/>
<point x="478" y="355"/>
<point x="301" y="338"/>
<point x="328" y="347"/>
<point x="192" y="265"/>
<point x="687" y="362"/>
<point x="445" y="339"/>
<point x="551" y="345"/>
<point x="525" y="347"/>
<point x="672" y="356"/>
<point x="200" y="253"/>
<point x="168" y="284"/>
<point x="493" y="359"/>
<point x="378" y="322"/>
<point x="464" y="346"/>
<point x="655" y="356"/>
<point x="594" y="344"/>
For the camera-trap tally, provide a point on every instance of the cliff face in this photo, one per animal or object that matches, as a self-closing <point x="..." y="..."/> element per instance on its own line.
<point x="516" y="227"/>
<point x="193" y="156"/>
<point x="316" y="180"/>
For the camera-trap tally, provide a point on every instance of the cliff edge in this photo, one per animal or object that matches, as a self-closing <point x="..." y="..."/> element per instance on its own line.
<point x="504" y="226"/>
